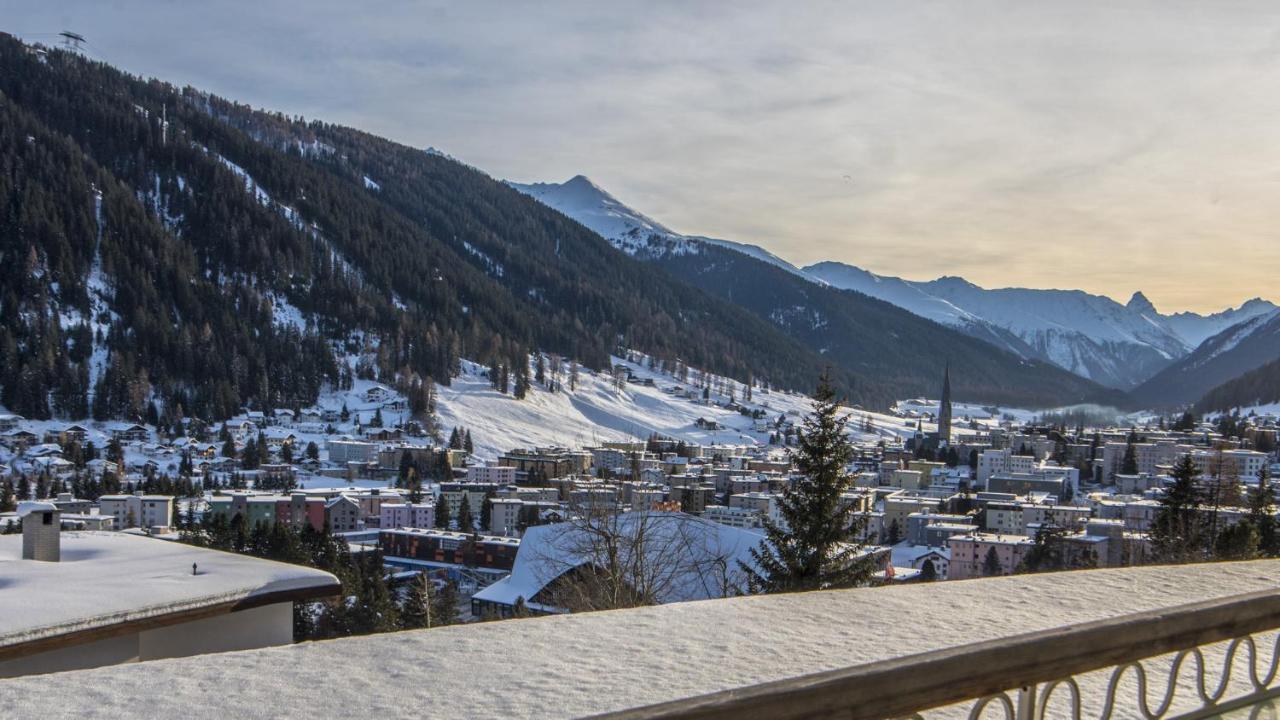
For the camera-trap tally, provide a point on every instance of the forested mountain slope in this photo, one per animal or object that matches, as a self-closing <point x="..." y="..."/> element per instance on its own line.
<point x="234" y="252"/>
<point x="174" y="253"/>
<point x="1223" y="357"/>
<point x="1260" y="386"/>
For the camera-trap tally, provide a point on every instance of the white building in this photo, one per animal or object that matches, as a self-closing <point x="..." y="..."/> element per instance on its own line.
<point x="144" y="511"/>
<point x="495" y="474"/>
<point x="117" y="598"/>
<point x="738" y="517"/>
<point x="504" y="516"/>
<point x="342" y="452"/>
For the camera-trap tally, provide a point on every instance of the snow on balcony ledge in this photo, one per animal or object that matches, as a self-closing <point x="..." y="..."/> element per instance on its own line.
<point x="573" y="666"/>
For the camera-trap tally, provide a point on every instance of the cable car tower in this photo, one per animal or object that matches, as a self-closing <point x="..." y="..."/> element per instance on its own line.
<point x="73" y="42"/>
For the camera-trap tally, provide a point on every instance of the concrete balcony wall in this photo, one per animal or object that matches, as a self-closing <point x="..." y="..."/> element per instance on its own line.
<point x="572" y="666"/>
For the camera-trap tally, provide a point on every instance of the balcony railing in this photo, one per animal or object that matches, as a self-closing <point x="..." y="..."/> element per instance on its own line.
<point x="1201" y="660"/>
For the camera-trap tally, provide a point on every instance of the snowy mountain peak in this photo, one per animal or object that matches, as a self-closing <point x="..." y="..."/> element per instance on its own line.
<point x="1140" y="304"/>
<point x="588" y="203"/>
<point x="629" y="230"/>
<point x="582" y="183"/>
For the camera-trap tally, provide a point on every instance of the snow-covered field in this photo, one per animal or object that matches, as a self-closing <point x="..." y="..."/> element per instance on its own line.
<point x="597" y="411"/>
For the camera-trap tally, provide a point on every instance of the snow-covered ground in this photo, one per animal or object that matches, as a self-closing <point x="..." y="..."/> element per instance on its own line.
<point x="597" y="411"/>
<point x="688" y="649"/>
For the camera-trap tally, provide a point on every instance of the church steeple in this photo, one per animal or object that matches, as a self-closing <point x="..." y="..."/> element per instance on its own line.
<point x="944" y="409"/>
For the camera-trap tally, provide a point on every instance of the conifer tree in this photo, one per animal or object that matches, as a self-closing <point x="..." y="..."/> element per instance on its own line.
<point x="442" y="512"/>
<point x="486" y="511"/>
<point x="818" y="547"/>
<point x="444" y="605"/>
<point x="1262" y="516"/>
<point x="1178" y="530"/>
<point x="991" y="566"/>
<point x="466" y="442"/>
<point x="1129" y="463"/>
<point x="465" y="522"/>
<point x="415" y="611"/>
<point x="414" y="484"/>
<point x="406" y="464"/>
<point x="1238" y="541"/>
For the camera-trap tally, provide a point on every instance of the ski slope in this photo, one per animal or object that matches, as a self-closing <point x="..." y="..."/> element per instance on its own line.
<point x="598" y="411"/>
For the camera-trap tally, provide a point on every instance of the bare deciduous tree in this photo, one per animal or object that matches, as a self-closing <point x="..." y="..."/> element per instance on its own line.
<point x="601" y="559"/>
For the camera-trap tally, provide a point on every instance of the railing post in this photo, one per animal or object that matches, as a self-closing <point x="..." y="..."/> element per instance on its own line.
<point x="1026" y="702"/>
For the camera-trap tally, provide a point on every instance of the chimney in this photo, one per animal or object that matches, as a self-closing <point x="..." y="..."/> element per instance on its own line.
<point x="41" y="531"/>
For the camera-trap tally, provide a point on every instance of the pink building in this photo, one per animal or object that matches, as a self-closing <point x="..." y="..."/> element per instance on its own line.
<point x="497" y="474"/>
<point x="410" y="515"/>
<point x="969" y="554"/>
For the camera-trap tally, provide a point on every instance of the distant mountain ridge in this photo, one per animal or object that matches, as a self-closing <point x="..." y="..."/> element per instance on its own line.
<point x="899" y="354"/>
<point x="1089" y="335"/>
<point x="1227" y="356"/>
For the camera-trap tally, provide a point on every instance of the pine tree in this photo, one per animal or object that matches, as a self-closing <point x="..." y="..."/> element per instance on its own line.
<point x="1046" y="553"/>
<point x="466" y="442"/>
<point x="415" y="611"/>
<point x="928" y="573"/>
<point x="7" y="501"/>
<point x="414" y="484"/>
<point x="444" y="606"/>
<point x="1238" y="541"/>
<point x="486" y="511"/>
<point x="1129" y="464"/>
<point x="455" y="441"/>
<point x="991" y="566"/>
<point x="893" y="535"/>
<point x="1262" y="516"/>
<point x="1178" y="530"/>
<point x="442" y="512"/>
<point x="406" y="464"/>
<point x="251" y="457"/>
<point x="465" y="522"/>
<point x="818" y="548"/>
<point x="520" y="609"/>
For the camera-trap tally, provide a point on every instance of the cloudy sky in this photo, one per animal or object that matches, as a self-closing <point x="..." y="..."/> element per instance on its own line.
<point x="1108" y="146"/>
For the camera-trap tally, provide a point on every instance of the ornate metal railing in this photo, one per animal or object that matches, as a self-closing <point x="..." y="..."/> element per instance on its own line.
<point x="1204" y="660"/>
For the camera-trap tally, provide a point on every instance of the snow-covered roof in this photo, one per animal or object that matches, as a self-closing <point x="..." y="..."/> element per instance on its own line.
<point x="106" y="579"/>
<point x="26" y="507"/>
<point x="548" y="551"/>
<point x="548" y="666"/>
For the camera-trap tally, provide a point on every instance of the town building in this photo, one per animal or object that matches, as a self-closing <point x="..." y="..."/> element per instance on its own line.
<point x="88" y="599"/>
